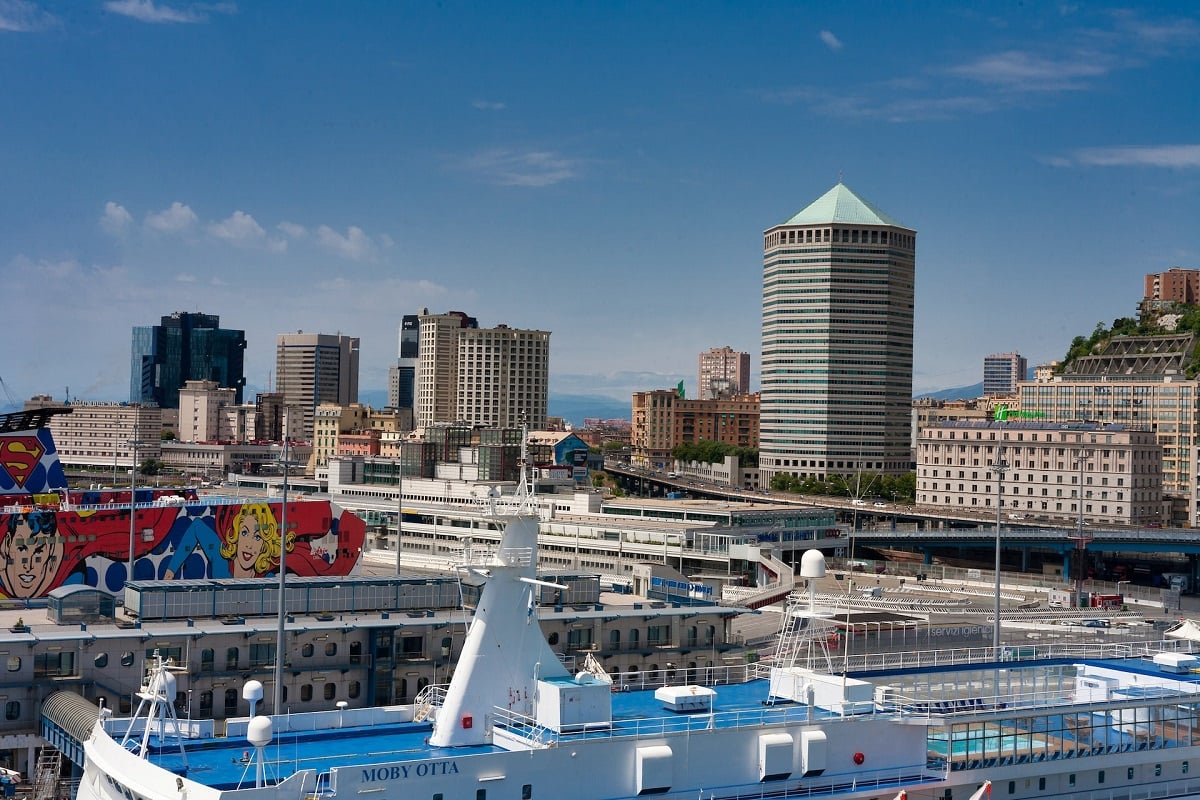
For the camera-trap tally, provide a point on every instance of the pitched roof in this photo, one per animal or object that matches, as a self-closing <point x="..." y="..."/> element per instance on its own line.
<point x="841" y="204"/>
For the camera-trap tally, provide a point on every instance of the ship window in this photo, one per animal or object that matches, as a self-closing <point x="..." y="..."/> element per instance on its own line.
<point x="1012" y="787"/>
<point x="231" y="658"/>
<point x="1157" y="770"/>
<point x="438" y="796"/>
<point x="12" y="710"/>
<point x="14" y="663"/>
<point x="1100" y="776"/>
<point x="527" y="792"/>
<point x="127" y="658"/>
<point x="481" y="794"/>
<point x="1129" y="773"/>
<point x="307" y="650"/>
<point x="330" y="689"/>
<point x="1071" y="779"/>
<point x="1041" y="784"/>
<point x="206" y="659"/>
<point x="306" y="693"/>
<point x="354" y="689"/>
<point x="101" y="661"/>
<point x="1184" y="767"/>
<point x="331" y="648"/>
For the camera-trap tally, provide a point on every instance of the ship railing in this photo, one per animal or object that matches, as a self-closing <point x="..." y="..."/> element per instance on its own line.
<point x="428" y="700"/>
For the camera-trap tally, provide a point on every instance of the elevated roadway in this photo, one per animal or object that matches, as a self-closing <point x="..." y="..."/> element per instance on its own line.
<point x="928" y="530"/>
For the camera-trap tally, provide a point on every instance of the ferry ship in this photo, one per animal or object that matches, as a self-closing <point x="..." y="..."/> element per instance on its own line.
<point x="51" y="536"/>
<point x="515" y="721"/>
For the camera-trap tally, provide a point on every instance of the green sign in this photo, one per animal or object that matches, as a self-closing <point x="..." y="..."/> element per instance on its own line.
<point x="1003" y="412"/>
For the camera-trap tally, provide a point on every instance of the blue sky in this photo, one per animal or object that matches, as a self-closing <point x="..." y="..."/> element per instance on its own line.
<point x="603" y="171"/>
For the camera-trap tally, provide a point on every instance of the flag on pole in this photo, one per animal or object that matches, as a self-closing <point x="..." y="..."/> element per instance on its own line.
<point x="679" y="390"/>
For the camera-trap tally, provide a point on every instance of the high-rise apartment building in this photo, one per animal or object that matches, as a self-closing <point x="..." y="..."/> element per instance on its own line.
<point x="437" y="365"/>
<point x="184" y="347"/>
<point x="723" y="373"/>
<point x="494" y="377"/>
<point x="315" y="368"/>
<point x="837" y="341"/>
<point x="1002" y="372"/>
<point x="402" y="378"/>
<point x="503" y="377"/>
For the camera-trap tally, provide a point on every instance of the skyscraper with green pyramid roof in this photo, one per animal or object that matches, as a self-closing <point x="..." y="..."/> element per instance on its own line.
<point x="837" y="341"/>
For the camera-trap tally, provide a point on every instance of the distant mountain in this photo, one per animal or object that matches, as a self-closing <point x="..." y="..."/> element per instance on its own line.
<point x="961" y="393"/>
<point x="572" y="407"/>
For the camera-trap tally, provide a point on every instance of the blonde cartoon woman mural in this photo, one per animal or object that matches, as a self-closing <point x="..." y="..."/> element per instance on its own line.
<point x="253" y="544"/>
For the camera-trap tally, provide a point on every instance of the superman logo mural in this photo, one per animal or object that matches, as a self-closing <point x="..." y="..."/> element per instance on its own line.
<point x="29" y="463"/>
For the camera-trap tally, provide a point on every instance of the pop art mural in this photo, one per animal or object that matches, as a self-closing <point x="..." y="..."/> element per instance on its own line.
<point x="50" y="537"/>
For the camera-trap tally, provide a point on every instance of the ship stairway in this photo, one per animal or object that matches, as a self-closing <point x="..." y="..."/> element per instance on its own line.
<point x="49" y="768"/>
<point x="428" y="699"/>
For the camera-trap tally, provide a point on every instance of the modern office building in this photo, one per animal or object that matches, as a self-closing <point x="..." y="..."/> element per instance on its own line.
<point x="723" y="373"/>
<point x="837" y="341"/>
<point x="1002" y="372"/>
<point x="1107" y="474"/>
<point x="493" y="377"/>
<point x="184" y="347"/>
<point x="315" y="368"/>
<point x="402" y="377"/>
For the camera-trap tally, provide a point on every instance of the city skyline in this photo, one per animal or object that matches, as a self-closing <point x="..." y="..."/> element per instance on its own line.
<point x="308" y="168"/>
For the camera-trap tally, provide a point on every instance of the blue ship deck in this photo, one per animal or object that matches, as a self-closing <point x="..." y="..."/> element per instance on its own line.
<point x="1056" y="731"/>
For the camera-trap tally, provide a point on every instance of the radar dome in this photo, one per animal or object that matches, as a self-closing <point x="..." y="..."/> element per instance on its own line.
<point x="812" y="564"/>
<point x="163" y="685"/>
<point x="259" y="731"/>
<point x="252" y="692"/>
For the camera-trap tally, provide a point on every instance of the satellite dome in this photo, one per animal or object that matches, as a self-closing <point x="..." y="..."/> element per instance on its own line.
<point x="812" y="564"/>
<point x="259" y="731"/>
<point x="252" y="691"/>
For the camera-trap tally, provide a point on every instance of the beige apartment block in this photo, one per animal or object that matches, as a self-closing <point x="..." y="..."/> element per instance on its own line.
<point x="1165" y="406"/>
<point x="204" y="413"/>
<point x="1110" y="473"/>
<point x="723" y="373"/>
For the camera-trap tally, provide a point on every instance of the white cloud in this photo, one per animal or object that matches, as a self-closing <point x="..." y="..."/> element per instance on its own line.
<point x="1020" y="70"/>
<point x="116" y="220"/>
<point x="831" y="41"/>
<point x="20" y="16"/>
<point x="355" y="245"/>
<point x="160" y="13"/>
<point x="292" y="230"/>
<point x="1174" y="156"/>
<point x="185" y="277"/>
<point x="488" y="105"/>
<point x="509" y="167"/>
<point x="242" y="230"/>
<point x="176" y="219"/>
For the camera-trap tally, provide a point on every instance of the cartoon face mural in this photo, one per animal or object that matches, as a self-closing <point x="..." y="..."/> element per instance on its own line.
<point x="252" y="543"/>
<point x="31" y="552"/>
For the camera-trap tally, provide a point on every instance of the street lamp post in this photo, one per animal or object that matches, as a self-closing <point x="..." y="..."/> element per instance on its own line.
<point x="280" y="641"/>
<point x="134" y="443"/>
<point x="999" y="467"/>
<point x="1081" y="538"/>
